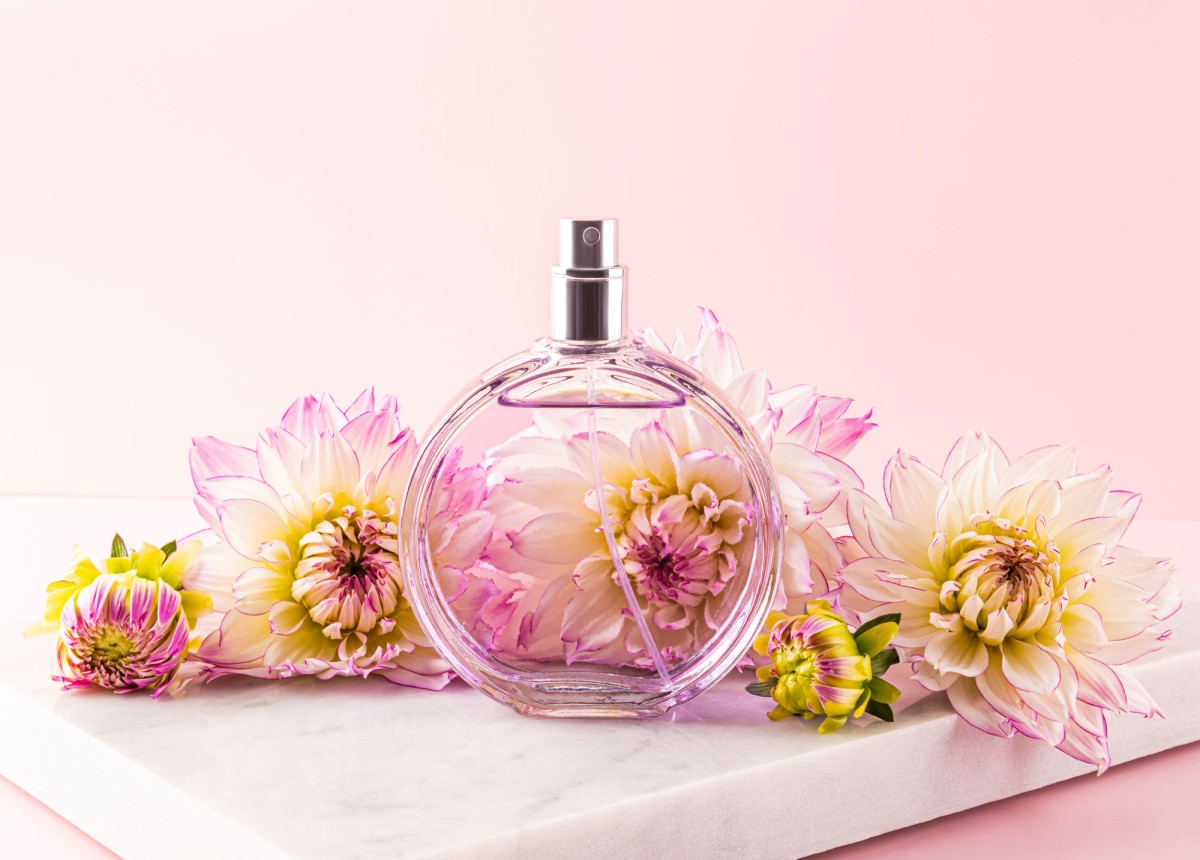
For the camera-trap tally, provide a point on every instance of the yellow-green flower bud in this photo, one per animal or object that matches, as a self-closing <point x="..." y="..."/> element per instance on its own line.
<point x="819" y="668"/>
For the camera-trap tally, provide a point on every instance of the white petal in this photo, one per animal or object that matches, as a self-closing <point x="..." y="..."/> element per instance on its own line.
<point x="912" y="490"/>
<point x="330" y="465"/>
<point x="960" y="653"/>
<point x="1054" y="463"/>
<point x="1028" y="667"/>
<point x="971" y="706"/>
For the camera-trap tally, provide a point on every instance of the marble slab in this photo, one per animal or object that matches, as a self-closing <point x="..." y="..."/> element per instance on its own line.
<point x="359" y="768"/>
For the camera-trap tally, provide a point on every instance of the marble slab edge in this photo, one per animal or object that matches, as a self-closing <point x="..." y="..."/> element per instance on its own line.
<point x="119" y="803"/>
<point x="928" y="765"/>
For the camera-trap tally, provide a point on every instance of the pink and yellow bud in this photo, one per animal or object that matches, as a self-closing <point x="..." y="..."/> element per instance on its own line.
<point x="820" y="668"/>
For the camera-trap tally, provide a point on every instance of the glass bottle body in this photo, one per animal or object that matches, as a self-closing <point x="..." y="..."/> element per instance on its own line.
<point x="592" y="531"/>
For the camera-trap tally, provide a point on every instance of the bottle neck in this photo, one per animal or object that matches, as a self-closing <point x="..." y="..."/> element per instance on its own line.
<point x="588" y="306"/>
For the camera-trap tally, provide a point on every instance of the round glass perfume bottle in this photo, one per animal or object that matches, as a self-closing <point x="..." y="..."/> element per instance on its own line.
<point x="592" y="529"/>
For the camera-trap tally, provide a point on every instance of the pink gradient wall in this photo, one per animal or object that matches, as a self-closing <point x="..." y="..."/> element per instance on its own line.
<point x="962" y="214"/>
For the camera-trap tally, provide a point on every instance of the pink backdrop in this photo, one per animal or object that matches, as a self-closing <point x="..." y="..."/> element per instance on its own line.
<point x="963" y="215"/>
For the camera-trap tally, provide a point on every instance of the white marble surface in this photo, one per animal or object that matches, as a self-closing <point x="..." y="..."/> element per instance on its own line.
<point x="355" y="768"/>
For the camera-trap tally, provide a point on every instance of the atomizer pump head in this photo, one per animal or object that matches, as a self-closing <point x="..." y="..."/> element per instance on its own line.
<point x="587" y="287"/>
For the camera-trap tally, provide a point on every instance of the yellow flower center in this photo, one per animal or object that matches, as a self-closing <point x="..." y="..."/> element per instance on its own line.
<point x="111" y="646"/>
<point x="999" y="566"/>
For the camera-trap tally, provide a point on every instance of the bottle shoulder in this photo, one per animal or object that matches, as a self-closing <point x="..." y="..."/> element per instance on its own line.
<point x="623" y="374"/>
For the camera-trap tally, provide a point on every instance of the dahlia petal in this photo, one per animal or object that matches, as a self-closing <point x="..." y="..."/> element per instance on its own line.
<point x="239" y="643"/>
<point x="613" y="454"/>
<point x="470" y="535"/>
<point x="280" y="459"/>
<point x="214" y="571"/>
<point x="247" y="524"/>
<point x="1053" y="463"/>
<point x="1080" y="535"/>
<point x="967" y="701"/>
<point x="423" y="681"/>
<point x="1025" y="501"/>
<point x="1084" y="628"/>
<point x="1086" y="747"/>
<point x="750" y="391"/>
<point x="260" y="588"/>
<point x="223" y="489"/>
<point x="373" y="436"/>
<point x="808" y="471"/>
<point x="210" y="457"/>
<point x="1028" y="667"/>
<point x="1121" y="503"/>
<point x="654" y="452"/>
<point x="837" y="701"/>
<point x="555" y="539"/>
<point x="307" y="417"/>
<point x="883" y="536"/>
<point x="838" y="438"/>
<point x="721" y="473"/>
<point x="912" y="490"/>
<point x="1084" y="496"/>
<point x="1118" y="653"/>
<point x="1146" y="572"/>
<point x="999" y="625"/>
<point x="716" y="350"/>
<point x="307" y="643"/>
<point x="977" y="482"/>
<point x="1000" y="694"/>
<point x="958" y="652"/>
<point x="968" y="446"/>
<point x="285" y="617"/>
<point x="180" y="562"/>
<point x="795" y="577"/>
<point x="366" y="402"/>
<point x="1137" y="698"/>
<point x="550" y="489"/>
<point x="393" y="477"/>
<point x="1122" y="606"/>
<point x="329" y="465"/>
<point x="592" y="617"/>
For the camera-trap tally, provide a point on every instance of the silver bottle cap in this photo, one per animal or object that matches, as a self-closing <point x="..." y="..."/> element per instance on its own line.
<point x="587" y="287"/>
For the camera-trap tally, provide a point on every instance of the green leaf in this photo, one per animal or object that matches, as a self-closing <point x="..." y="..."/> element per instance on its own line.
<point x="882" y="691"/>
<point x="762" y="688"/>
<point x="169" y="547"/>
<point x="883" y="661"/>
<point x="891" y="618"/>
<point x="876" y="639"/>
<point x="880" y="710"/>
<point x="119" y="550"/>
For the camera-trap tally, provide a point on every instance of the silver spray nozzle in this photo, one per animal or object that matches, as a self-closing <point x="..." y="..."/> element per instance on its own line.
<point x="587" y="244"/>
<point x="587" y="287"/>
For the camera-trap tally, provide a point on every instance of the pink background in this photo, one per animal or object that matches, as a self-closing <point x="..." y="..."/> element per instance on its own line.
<point x="962" y="214"/>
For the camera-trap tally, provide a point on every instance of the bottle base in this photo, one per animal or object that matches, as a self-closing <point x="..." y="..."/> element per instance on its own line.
<point x="614" y="697"/>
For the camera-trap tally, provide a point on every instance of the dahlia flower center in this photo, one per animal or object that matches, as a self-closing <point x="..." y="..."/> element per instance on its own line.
<point x="676" y="554"/>
<point x="794" y="660"/>
<point x="1002" y="565"/>
<point x="349" y="575"/>
<point x="111" y="645"/>
<point x="655" y="574"/>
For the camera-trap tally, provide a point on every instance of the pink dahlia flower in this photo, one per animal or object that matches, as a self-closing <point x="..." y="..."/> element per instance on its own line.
<point x="305" y="562"/>
<point x="808" y="436"/>
<point x="1014" y="593"/>
<point x="682" y="525"/>
<point x="122" y="632"/>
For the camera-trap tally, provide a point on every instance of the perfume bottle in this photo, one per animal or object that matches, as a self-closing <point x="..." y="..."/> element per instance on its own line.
<point x="592" y="529"/>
